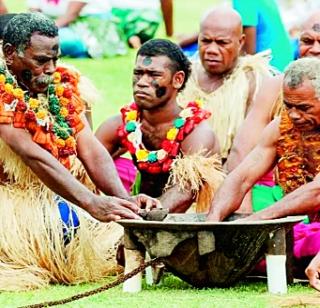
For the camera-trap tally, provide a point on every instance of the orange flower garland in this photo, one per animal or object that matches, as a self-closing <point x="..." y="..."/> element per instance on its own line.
<point x="295" y="150"/>
<point x="158" y="161"/>
<point x="52" y="120"/>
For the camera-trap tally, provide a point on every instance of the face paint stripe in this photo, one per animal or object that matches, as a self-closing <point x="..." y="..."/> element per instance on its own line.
<point x="147" y="61"/>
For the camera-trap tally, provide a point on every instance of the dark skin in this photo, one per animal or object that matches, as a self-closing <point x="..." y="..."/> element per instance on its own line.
<point x="39" y="58"/>
<point x="304" y="110"/>
<point x="309" y="43"/>
<point x="158" y="111"/>
<point x="309" y="46"/>
<point x="313" y="272"/>
<point x="220" y="42"/>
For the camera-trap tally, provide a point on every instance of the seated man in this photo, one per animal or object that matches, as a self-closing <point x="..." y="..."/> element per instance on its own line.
<point x="291" y="143"/>
<point x="42" y="130"/>
<point x="86" y="27"/>
<point x="240" y="92"/>
<point x="139" y="19"/>
<point x="165" y="140"/>
<point x="231" y="86"/>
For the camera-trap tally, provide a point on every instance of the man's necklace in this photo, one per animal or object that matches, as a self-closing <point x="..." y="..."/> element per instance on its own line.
<point x="51" y="119"/>
<point x="158" y="161"/>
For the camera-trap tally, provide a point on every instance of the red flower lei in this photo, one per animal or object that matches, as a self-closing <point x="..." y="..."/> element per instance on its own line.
<point x="52" y="120"/>
<point x="158" y="161"/>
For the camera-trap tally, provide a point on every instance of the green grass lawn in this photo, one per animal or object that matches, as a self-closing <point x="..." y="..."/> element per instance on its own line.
<point x="113" y="79"/>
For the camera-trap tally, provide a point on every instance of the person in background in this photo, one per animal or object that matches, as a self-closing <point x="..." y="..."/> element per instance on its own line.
<point x="140" y="19"/>
<point x="86" y="27"/>
<point x="3" y="8"/>
<point x="263" y="28"/>
<point x="309" y="40"/>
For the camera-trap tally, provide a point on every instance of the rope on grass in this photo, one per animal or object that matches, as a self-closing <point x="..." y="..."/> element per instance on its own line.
<point x="76" y="297"/>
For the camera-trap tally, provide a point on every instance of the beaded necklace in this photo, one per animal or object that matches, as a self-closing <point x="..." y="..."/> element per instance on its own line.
<point x="158" y="161"/>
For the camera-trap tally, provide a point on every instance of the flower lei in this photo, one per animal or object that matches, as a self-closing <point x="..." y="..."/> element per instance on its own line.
<point x="158" y="161"/>
<point x="295" y="149"/>
<point x="52" y="120"/>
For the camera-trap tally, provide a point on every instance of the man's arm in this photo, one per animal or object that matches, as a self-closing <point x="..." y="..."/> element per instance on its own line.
<point x="250" y="44"/>
<point x="72" y="13"/>
<point x="230" y="195"/>
<point x="313" y="272"/>
<point x="108" y="136"/>
<point x="54" y="175"/>
<point x="249" y="15"/>
<point x="302" y="201"/>
<point x="99" y="163"/>
<point x="201" y="139"/>
<point x="167" y="13"/>
<point x="258" y="117"/>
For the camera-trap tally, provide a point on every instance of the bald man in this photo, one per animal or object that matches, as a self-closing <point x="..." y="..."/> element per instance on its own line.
<point x="231" y="86"/>
<point x="309" y="43"/>
<point x="241" y="92"/>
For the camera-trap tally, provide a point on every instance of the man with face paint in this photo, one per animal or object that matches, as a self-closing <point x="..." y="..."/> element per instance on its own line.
<point x="291" y="143"/>
<point x="42" y="131"/>
<point x="169" y="145"/>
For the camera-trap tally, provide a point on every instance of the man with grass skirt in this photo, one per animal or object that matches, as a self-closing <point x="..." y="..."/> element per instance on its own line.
<point x="42" y="131"/>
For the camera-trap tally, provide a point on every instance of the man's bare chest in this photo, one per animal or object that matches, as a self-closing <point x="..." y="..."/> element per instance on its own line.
<point x="153" y="136"/>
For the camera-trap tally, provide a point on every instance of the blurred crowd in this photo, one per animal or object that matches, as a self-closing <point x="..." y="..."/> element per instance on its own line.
<point x="93" y="28"/>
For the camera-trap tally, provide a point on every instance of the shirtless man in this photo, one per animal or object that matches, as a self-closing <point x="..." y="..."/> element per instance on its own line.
<point x="42" y="131"/>
<point x="155" y="130"/>
<point x="309" y="46"/>
<point x="232" y="87"/>
<point x="291" y="143"/>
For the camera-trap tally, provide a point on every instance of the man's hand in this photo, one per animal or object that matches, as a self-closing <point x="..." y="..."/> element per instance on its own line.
<point x="313" y="271"/>
<point x="106" y="208"/>
<point x="145" y="202"/>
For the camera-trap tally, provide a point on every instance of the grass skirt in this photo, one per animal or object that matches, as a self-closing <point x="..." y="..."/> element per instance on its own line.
<point x="33" y="252"/>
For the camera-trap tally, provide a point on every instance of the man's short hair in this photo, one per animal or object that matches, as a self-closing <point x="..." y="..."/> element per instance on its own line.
<point x="161" y="47"/>
<point x="298" y="71"/>
<point x="21" y="27"/>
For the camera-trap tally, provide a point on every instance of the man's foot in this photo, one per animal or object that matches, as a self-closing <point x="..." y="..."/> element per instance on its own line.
<point x="134" y="42"/>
